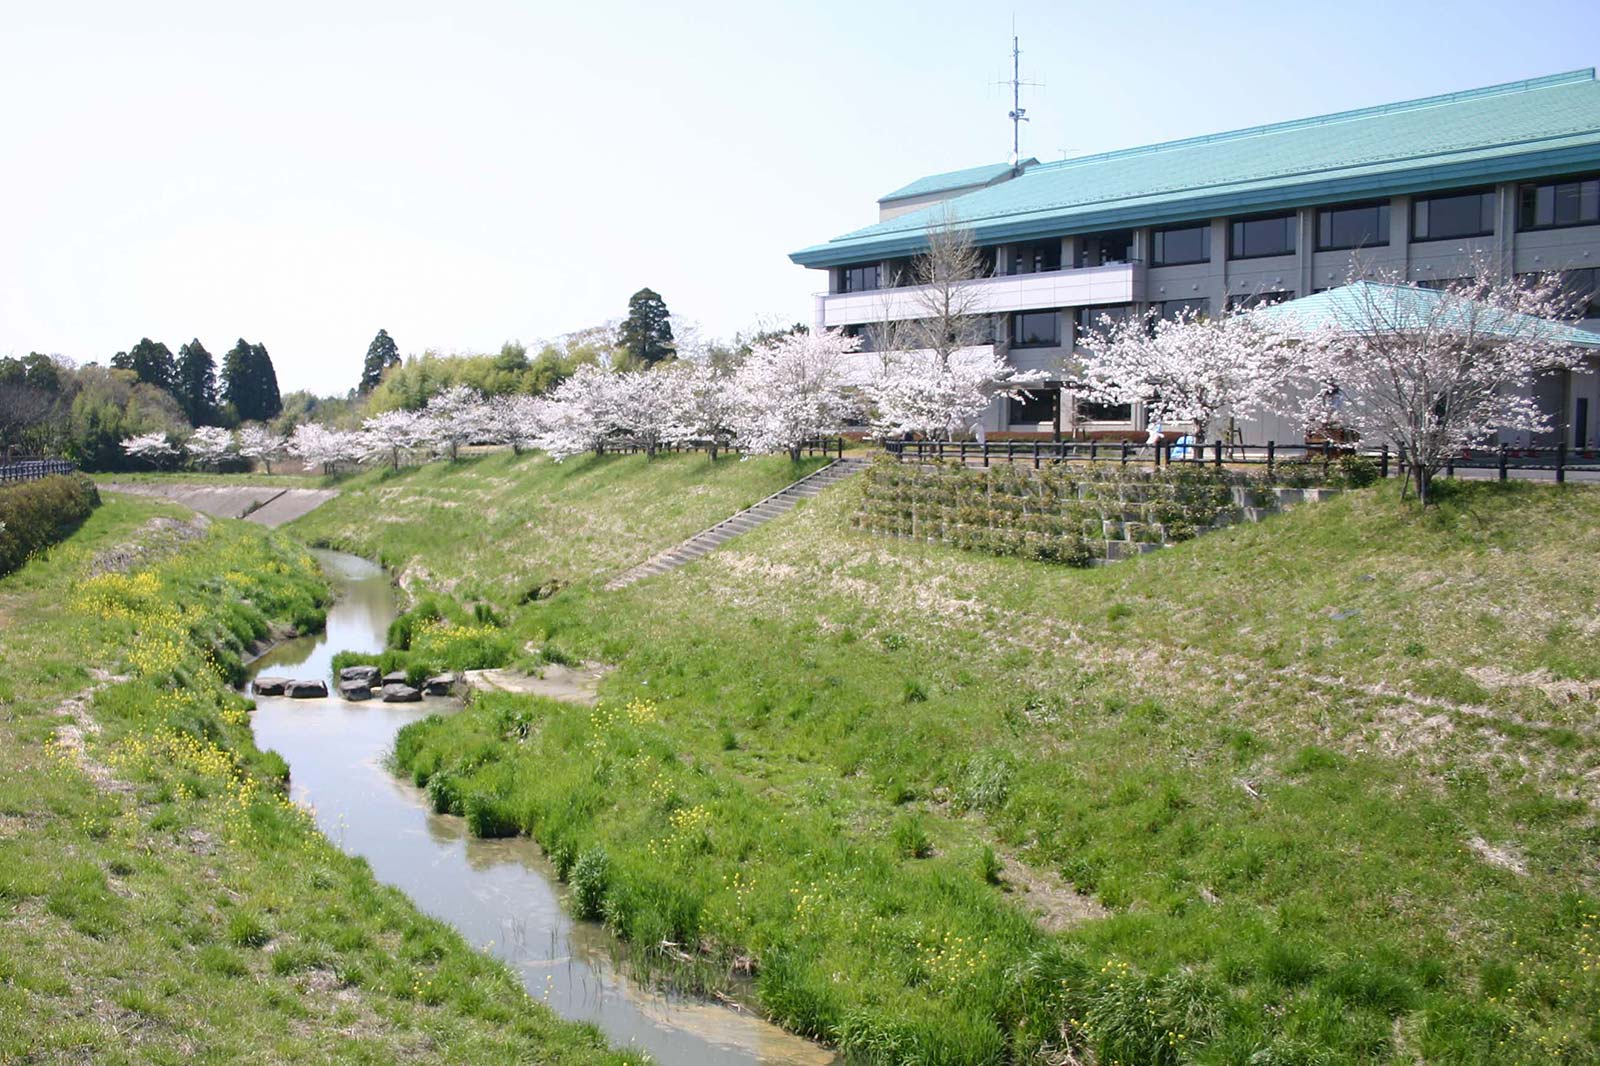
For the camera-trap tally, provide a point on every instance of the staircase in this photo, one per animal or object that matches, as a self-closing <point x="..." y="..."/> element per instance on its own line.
<point x="761" y="513"/>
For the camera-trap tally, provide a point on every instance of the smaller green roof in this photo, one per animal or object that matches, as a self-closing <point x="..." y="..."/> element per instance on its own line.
<point x="1347" y="309"/>
<point x="954" y="179"/>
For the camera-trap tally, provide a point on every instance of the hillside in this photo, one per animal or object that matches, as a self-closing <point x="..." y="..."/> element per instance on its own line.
<point x="1318" y="790"/>
<point x="496" y="526"/>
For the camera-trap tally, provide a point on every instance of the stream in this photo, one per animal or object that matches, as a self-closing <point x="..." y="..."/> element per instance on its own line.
<point x="502" y="895"/>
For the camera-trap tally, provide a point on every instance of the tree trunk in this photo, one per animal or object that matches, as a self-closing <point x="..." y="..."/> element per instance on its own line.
<point x="794" y="453"/>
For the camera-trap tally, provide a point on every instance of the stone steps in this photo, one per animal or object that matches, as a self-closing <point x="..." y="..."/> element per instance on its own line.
<point x="752" y="517"/>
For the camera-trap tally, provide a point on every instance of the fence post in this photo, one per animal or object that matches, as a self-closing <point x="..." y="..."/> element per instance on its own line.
<point x="1011" y="451"/>
<point x="1216" y="452"/>
<point x="1383" y="462"/>
<point x="1327" y="455"/>
<point x="1450" y="466"/>
<point x="1503" y="451"/>
<point x="1124" y="453"/>
<point x="1561" y="463"/>
<point x="1094" y="448"/>
<point x="1036" y="455"/>
<point x="985" y="447"/>
<point x="1272" y="456"/>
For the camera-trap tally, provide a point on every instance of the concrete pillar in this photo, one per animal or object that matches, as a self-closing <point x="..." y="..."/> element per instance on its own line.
<point x="1305" y="246"/>
<point x="1400" y="232"/>
<point x="1219" y="266"/>
<point x="1505" y="227"/>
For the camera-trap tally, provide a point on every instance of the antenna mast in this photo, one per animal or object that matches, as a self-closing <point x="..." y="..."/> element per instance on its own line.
<point x="1018" y="113"/>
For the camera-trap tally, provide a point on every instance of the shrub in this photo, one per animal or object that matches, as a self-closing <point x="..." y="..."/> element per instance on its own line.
<point x="986" y="785"/>
<point x="247" y="930"/>
<point x="1356" y="471"/>
<point x="37" y="514"/>
<point x="489" y="816"/>
<point x="989" y="866"/>
<point x="910" y="839"/>
<point x="591" y="876"/>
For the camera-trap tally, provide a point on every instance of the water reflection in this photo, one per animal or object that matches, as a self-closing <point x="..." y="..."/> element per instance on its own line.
<point x="501" y="894"/>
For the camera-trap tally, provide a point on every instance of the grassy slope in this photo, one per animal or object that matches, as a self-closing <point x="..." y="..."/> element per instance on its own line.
<point x="495" y="525"/>
<point x="196" y="477"/>
<point x="176" y="907"/>
<point x="1331" y="776"/>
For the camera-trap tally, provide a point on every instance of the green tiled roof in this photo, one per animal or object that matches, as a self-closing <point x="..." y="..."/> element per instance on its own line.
<point x="955" y="179"/>
<point x="1533" y="128"/>
<point x="1352" y="307"/>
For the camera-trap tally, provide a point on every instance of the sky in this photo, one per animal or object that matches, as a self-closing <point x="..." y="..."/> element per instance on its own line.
<point x="302" y="174"/>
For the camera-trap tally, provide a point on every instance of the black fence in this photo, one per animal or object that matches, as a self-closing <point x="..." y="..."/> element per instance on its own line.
<point x="1503" y="461"/>
<point x="31" y="468"/>
<point x="823" y="446"/>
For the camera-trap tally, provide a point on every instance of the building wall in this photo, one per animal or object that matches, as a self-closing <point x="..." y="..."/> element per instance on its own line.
<point x="1300" y="274"/>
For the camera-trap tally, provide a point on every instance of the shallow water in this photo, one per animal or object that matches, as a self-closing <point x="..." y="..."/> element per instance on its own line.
<point x="501" y="894"/>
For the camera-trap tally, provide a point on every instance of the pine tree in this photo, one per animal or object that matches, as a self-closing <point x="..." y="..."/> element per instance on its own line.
<point x="381" y="355"/>
<point x="152" y="361"/>
<point x="197" y="382"/>
<point x="646" y="334"/>
<point x="250" y="383"/>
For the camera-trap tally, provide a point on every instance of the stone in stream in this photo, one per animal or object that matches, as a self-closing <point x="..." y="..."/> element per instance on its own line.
<point x="268" y="686"/>
<point x="439" y="685"/>
<point x="394" y="693"/>
<point x="395" y="677"/>
<point x="367" y="675"/>
<point x="355" y="690"/>
<point x="305" y="690"/>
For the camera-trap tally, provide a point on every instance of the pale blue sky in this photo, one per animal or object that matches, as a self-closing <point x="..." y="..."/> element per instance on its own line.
<point x="304" y="173"/>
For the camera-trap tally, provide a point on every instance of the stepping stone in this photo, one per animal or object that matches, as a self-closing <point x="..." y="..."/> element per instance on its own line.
<point x="268" y="686"/>
<point x="368" y="674"/>
<point x="439" y="685"/>
<point x="400" y="694"/>
<point x="306" y="690"/>
<point x="355" y="690"/>
<point x="395" y="677"/>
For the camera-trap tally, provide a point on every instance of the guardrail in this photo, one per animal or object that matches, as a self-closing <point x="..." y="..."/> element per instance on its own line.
<point x="1502" y="460"/>
<point x="33" y="468"/>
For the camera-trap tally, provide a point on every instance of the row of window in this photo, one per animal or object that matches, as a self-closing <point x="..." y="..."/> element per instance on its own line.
<point x="1446" y="216"/>
<point x="1041" y="406"/>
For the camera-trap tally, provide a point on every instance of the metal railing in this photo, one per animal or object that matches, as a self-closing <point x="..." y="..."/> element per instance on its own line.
<point x="1503" y="460"/>
<point x="32" y="468"/>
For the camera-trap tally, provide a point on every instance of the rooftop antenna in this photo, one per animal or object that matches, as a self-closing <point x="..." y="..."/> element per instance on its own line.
<point x="1018" y="113"/>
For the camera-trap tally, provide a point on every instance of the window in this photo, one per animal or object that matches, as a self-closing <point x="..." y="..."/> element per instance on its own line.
<point x="1465" y="214"/>
<point x="1036" y="258"/>
<point x="986" y="260"/>
<point x="1173" y="247"/>
<point x="1035" y="329"/>
<point x="901" y="272"/>
<point x="1102" y="249"/>
<point x="1251" y="238"/>
<point x="1245" y="301"/>
<point x="1580" y="292"/>
<point x="862" y="278"/>
<point x="1104" y="412"/>
<point x="1575" y="202"/>
<point x="1035" y="406"/>
<point x="1200" y="307"/>
<point x="1095" y="317"/>
<point x="1352" y="226"/>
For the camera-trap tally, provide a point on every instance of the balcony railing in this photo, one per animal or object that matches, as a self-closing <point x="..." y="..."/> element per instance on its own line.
<point x="1113" y="283"/>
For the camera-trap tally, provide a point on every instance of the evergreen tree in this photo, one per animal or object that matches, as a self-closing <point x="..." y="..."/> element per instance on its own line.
<point x="153" y="363"/>
<point x="250" y="383"/>
<point x="646" y="334"/>
<point x="381" y="355"/>
<point x="197" y="383"/>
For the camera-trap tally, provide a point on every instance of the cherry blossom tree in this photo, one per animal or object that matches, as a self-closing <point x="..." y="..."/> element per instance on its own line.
<point x="1187" y="368"/>
<point x="647" y="407"/>
<point x="577" y="418"/>
<point x="458" y="417"/>
<point x="324" y="447"/>
<point x="922" y="392"/>
<point x="387" y="435"/>
<point x="709" y="405"/>
<point x="515" y="419"/>
<point x="794" y="388"/>
<point x="1436" y="371"/>
<point x="208" y="445"/>
<point x="151" y="447"/>
<point x="258" y="443"/>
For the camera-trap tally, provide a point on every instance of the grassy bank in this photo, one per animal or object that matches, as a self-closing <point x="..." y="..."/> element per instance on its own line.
<point x="160" y="899"/>
<point x="1319" y="790"/>
<point x="501" y="527"/>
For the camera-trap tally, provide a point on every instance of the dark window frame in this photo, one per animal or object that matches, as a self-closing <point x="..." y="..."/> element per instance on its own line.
<point x="1490" y="194"/>
<point x="1082" y="410"/>
<point x="1017" y="331"/>
<point x="1047" y="395"/>
<point x="1034" y="249"/>
<point x="1524" y="188"/>
<point x="1158" y="238"/>
<point x="1292" y="228"/>
<point x="1385" y="222"/>
<point x="846" y="272"/>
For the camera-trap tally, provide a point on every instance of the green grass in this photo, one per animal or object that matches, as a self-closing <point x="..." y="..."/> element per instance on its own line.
<point x="498" y="526"/>
<point x="163" y="901"/>
<point x="1292" y="836"/>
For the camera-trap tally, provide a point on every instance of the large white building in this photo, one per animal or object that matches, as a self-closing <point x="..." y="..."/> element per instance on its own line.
<point x="1261" y="214"/>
